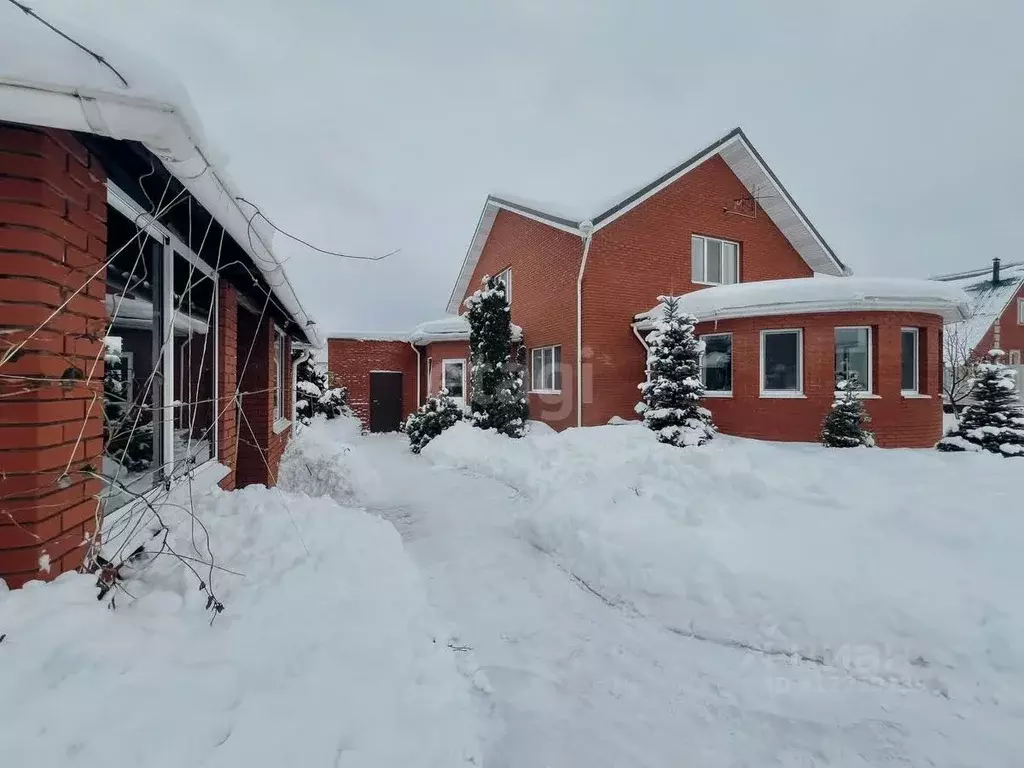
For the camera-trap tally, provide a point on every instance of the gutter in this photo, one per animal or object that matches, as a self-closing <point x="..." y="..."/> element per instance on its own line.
<point x="586" y="229"/>
<point x="164" y="130"/>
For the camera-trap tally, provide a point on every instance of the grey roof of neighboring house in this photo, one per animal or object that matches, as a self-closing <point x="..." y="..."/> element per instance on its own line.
<point x="988" y="300"/>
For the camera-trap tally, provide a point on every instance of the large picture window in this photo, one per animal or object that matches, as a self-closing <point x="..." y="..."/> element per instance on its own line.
<point x="853" y="356"/>
<point x="546" y="369"/>
<point x="910" y="364"/>
<point x="160" y="353"/>
<point x="714" y="261"/>
<point x="716" y="364"/>
<point x="782" y="363"/>
<point x="455" y="378"/>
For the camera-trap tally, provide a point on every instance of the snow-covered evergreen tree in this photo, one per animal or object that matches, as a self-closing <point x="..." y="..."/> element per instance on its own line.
<point x="314" y="394"/>
<point x="127" y="430"/>
<point x="432" y="418"/>
<point x="498" y="396"/>
<point x="671" y="397"/>
<point x="995" y="419"/>
<point x="844" y="423"/>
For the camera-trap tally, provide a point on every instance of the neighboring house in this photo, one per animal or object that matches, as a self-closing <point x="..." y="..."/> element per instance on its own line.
<point x="146" y="323"/>
<point x="719" y="226"/>
<point x="996" y="321"/>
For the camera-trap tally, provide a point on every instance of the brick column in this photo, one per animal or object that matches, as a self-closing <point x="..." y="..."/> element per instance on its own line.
<point x="254" y="429"/>
<point x="52" y="243"/>
<point x="227" y="371"/>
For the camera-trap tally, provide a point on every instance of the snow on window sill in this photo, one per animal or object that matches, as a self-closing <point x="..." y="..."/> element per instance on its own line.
<point x="861" y="395"/>
<point x="914" y="396"/>
<point x="703" y="282"/>
<point x="783" y="394"/>
<point x="717" y="393"/>
<point x="281" y="425"/>
<point x="545" y="391"/>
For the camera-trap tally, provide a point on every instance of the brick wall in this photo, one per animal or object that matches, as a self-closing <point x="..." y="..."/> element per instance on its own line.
<point x="227" y="361"/>
<point x="897" y="421"/>
<point x="646" y="253"/>
<point x="545" y="263"/>
<point x="439" y="352"/>
<point x="351" y="361"/>
<point x="1011" y="332"/>
<point x="52" y="241"/>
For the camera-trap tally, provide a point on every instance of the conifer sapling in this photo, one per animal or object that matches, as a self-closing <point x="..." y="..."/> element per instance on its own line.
<point x="994" y="421"/>
<point x="844" y="423"/>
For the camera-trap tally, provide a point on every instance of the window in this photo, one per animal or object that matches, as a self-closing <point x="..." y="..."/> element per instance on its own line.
<point x="160" y="354"/>
<point x="505" y="276"/>
<point x="716" y="364"/>
<point x="455" y="378"/>
<point x="1014" y="357"/>
<point x="546" y="369"/>
<point x="909" y="361"/>
<point x="430" y="375"/>
<point x="782" y="363"/>
<point x="853" y="356"/>
<point x="714" y="261"/>
<point x="279" y="373"/>
<point x="1020" y="311"/>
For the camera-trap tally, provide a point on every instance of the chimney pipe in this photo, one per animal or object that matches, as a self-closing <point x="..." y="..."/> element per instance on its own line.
<point x="995" y="271"/>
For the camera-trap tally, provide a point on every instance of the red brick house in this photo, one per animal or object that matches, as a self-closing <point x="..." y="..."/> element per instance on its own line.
<point x="582" y="291"/>
<point x="995" y="318"/>
<point x="146" y="325"/>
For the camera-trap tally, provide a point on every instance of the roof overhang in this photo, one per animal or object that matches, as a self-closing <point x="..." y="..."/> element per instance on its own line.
<point x="744" y="161"/>
<point x="801" y="296"/>
<point x="165" y="130"/>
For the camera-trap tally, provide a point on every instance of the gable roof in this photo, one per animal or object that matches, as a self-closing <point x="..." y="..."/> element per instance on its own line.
<point x="741" y="157"/>
<point x="988" y="300"/>
<point x="105" y="90"/>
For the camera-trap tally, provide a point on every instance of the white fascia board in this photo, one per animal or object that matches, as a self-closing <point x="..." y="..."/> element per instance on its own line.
<point x="166" y="133"/>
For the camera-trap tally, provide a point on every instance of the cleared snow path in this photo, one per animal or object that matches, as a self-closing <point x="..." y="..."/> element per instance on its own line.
<point x="580" y="679"/>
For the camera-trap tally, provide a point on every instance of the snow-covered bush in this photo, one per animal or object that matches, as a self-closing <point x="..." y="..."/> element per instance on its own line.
<point x="498" y="396"/>
<point x="671" y="397"/>
<point x="433" y="417"/>
<point x="314" y="395"/>
<point x="994" y="422"/>
<point x="317" y="465"/>
<point x="844" y="423"/>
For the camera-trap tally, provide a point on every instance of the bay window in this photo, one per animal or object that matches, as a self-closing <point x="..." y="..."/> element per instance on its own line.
<point x="546" y="369"/>
<point x="716" y="364"/>
<point x="714" y="261"/>
<point x="853" y="356"/>
<point x="910" y="362"/>
<point x="782" y="373"/>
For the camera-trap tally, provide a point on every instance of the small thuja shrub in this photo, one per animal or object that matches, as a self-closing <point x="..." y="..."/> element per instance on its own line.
<point x="844" y="423"/>
<point x="498" y="395"/>
<point x="433" y="418"/>
<point x="672" y="395"/>
<point x="994" y="422"/>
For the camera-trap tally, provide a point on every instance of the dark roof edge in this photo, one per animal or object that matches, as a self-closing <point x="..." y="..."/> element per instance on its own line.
<point x="492" y="199"/>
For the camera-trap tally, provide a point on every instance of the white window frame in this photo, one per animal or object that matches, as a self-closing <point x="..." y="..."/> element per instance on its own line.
<point x="704" y="255"/>
<point x="444" y="376"/>
<point x="505" y="276"/>
<point x="1020" y="311"/>
<point x="171" y="244"/>
<point x="868" y="391"/>
<point x="917" y="361"/>
<point x="430" y="373"/>
<point x="1014" y="357"/>
<point x="280" y="350"/>
<point x="784" y="393"/>
<point x="703" y="378"/>
<point x="548" y="349"/>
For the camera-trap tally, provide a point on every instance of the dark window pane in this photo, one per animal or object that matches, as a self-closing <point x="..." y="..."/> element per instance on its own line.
<point x="781" y="361"/>
<point x="714" y="261"/>
<point x="908" y="367"/>
<point x="558" y="369"/>
<point x="718" y="363"/>
<point x="536" y="374"/>
<point x="132" y="380"/>
<point x="697" y="259"/>
<point x="852" y="354"/>
<point x="453" y="378"/>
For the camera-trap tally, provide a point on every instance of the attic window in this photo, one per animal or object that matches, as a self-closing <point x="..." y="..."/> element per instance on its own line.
<point x="505" y="277"/>
<point x="714" y="261"/>
<point x="1020" y="311"/>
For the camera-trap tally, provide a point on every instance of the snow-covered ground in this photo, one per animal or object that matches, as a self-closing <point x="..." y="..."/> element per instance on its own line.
<point x="595" y="599"/>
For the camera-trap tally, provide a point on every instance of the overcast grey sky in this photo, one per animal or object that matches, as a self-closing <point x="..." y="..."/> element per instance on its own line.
<point x="379" y="125"/>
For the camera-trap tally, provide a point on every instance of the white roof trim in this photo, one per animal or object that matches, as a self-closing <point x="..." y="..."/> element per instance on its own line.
<point x="367" y="336"/>
<point x="744" y="161"/>
<point x="166" y="131"/>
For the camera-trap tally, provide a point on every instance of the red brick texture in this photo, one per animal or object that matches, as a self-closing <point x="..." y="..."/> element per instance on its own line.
<point x="545" y="263"/>
<point x="646" y="253"/>
<point x="896" y="420"/>
<point x="52" y="251"/>
<point x="352" y="360"/>
<point x="1011" y="331"/>
<point x="227" y="362"/>
<point x="438" y="352"/>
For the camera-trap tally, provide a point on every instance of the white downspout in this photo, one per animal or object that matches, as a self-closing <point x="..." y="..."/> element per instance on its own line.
<point x="647" y="349"/>
<point x="587" y="233"/>
<point x="417" y="351"/>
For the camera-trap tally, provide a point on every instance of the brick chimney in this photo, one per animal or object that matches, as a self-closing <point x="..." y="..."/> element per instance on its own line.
<point x="995" y="271"/>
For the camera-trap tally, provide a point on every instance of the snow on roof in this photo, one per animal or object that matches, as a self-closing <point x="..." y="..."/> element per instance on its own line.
<point x="741" y="157"/>
<point x="46" y="80"/>
<point x="448" y="328"/>
<point x="369" y="335"/>
<point x="988" y="300"/>
<point x="803" y="295"/>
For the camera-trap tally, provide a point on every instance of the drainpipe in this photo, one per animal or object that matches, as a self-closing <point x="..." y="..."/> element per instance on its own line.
<point x="647" y="349"/>
<point x="417" y="351"/>
<point x="587" y="233"/>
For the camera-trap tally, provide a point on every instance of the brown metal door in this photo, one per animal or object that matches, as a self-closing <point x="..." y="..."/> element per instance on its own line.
<point x="385" y="401"/>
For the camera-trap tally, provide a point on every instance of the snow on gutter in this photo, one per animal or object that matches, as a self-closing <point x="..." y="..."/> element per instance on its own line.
<point x="165" y="130"/>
